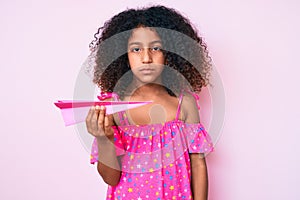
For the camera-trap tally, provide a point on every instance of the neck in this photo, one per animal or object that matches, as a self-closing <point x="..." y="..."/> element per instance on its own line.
<point x="147" y="90"/>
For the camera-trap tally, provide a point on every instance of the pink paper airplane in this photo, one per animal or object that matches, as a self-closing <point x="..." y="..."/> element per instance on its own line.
<point x="75" y="111"/>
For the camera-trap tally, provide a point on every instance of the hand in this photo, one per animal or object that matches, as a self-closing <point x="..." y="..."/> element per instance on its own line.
<point x="99" y="124"/>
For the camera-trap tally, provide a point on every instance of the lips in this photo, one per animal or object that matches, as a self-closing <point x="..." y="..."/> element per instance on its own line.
<point x="146" y="70"/>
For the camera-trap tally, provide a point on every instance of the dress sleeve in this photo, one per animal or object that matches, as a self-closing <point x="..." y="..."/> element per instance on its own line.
<point x="198" y="139"/>
<point x="118" y="142"/>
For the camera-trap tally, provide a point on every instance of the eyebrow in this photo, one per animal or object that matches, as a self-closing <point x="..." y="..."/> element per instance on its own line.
<point x="139" y="43"/>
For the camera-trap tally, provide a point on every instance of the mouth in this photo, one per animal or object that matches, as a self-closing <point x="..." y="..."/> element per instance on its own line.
<point x="146" y="69"/>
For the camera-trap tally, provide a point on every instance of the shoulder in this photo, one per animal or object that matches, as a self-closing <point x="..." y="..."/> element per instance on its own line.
<point x="189" y="108"/>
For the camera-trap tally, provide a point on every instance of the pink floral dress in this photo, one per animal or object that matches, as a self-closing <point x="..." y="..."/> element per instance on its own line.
<point x="155" y="158"/>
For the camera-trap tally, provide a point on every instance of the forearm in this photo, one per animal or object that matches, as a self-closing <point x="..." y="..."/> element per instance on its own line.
<point x="108" y="163"/>
<point x="199" y="177"/>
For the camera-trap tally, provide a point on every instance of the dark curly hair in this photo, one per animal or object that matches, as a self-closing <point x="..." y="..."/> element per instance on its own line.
<point x="185" y="52"/>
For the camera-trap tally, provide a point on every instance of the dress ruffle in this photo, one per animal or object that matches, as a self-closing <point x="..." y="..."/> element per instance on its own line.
<point x="162" y="143"/>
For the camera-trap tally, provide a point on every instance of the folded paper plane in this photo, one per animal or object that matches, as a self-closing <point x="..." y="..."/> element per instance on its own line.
<point x="75" y="111"/>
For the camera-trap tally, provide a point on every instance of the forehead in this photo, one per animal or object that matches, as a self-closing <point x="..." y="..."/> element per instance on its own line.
<point x="143" y="35"/>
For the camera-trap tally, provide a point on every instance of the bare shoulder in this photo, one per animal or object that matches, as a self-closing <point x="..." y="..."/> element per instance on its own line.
<point x="189" y="108"/>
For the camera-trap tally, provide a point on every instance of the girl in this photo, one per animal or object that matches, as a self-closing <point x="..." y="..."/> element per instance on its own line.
<point x="155" y="151"/>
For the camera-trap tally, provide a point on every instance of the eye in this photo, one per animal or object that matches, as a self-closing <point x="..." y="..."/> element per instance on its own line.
<point x="156" y="48"/>
<point x="135" y="49"/>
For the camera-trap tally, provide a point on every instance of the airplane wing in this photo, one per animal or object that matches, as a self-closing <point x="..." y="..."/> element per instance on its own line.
<point x="75" y="111"/>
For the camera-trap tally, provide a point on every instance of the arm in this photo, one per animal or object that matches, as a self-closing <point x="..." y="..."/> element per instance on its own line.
<point x="199" y="183"/>
<point x="199" y="177"/>
<point x="100" y="126"/>
<point x="108" y="164"/>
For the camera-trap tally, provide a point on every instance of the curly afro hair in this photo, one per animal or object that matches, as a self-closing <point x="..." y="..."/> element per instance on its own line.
<point x="185" y="52"/>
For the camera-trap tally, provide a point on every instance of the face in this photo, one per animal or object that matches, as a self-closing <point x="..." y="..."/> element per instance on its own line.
<point x="145" y="55"/>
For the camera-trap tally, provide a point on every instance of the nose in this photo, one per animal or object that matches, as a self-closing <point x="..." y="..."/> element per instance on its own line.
<point x="146" y="56"/>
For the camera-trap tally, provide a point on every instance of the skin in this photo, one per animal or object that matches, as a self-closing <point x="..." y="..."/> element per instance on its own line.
<point x="145" y="57"/>
<point x="199" y="183"/>
<point x="100" y="126"/>
<point x="147" y="62"/>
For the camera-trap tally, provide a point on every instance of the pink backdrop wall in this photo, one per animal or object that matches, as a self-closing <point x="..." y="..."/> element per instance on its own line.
<point x="255" y="48"/>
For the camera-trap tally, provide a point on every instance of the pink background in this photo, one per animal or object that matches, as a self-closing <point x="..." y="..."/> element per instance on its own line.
<point x="255" y="47"/>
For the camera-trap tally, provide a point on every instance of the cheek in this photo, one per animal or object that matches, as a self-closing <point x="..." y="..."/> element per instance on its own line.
<point x="160" y="59"/>
<point x="161" y="69"/>
<point x="133" y="60"/>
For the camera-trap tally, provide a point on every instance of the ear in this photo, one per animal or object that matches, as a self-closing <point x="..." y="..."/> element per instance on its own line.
<point x="166" y="61"/>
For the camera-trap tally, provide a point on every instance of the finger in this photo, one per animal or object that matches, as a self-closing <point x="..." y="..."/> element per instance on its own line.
<point x="94" y="119"/>
<point x="88" y="119"/>
<point x="108" y="121"/>
<point x="101" y="118"/>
